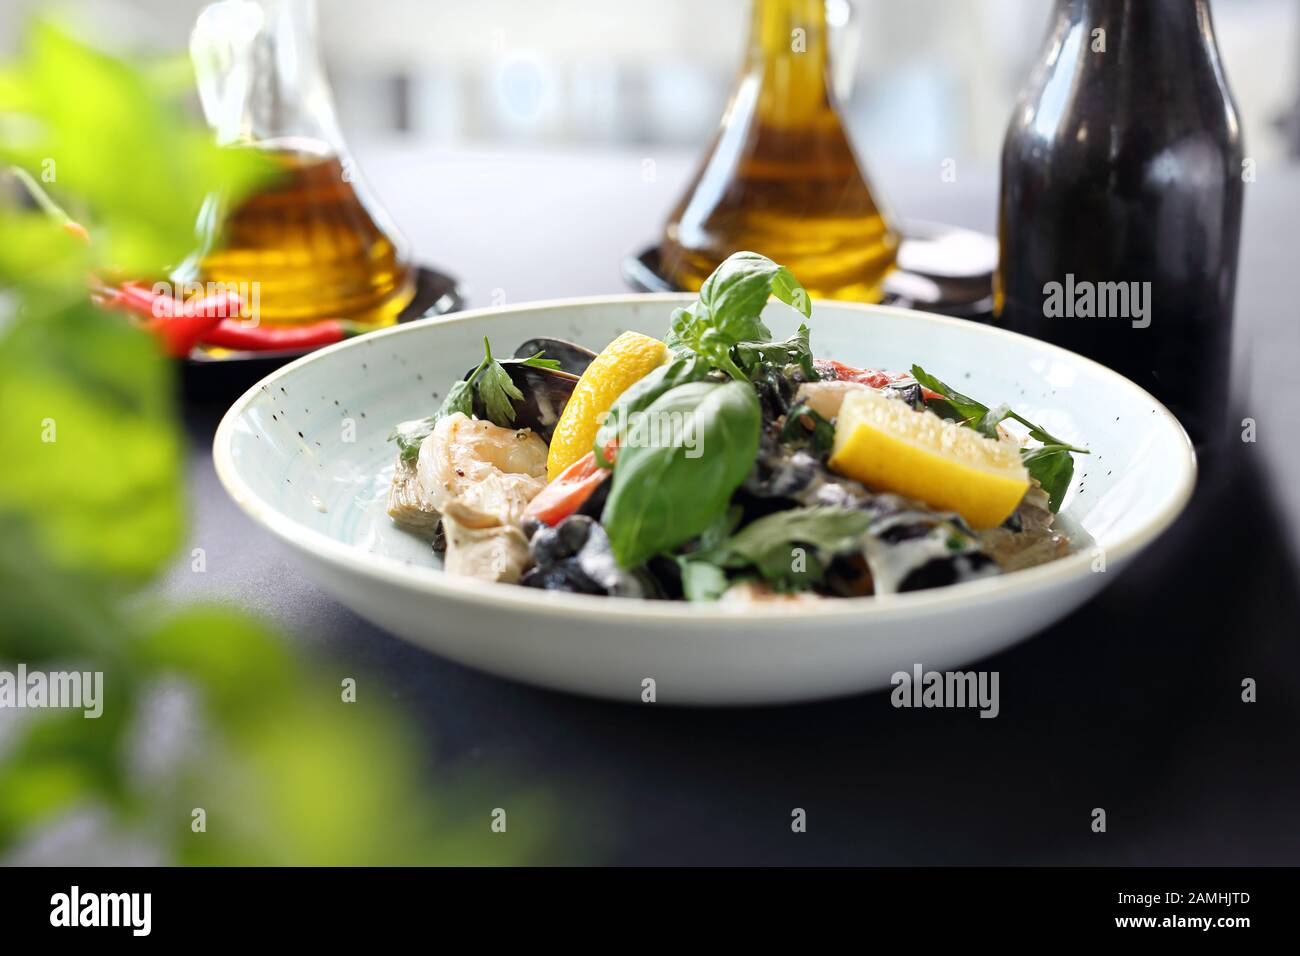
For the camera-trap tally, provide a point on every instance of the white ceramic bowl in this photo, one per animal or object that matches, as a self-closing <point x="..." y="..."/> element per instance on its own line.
<point x="304" y="453"/>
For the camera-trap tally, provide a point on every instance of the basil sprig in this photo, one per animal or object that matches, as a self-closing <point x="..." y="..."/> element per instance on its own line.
<point x="728" y="310"/>
<point x="1051" y="465"/>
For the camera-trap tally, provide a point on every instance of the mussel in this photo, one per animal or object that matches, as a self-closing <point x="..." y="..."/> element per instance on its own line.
<point x="573" y="358"/>
<point x="575" y="556"/>
<point x="546" y="391"/>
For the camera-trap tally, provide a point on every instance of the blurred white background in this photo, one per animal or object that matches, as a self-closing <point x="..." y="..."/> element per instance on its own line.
<point x="930" y="78"/>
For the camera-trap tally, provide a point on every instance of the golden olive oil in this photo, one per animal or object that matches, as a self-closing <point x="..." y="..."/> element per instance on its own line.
<point x="781" y="177"/>
<point x="310" y="244"/>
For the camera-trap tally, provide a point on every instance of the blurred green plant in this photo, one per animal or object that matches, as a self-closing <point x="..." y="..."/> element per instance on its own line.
<point x="92" y="509"/>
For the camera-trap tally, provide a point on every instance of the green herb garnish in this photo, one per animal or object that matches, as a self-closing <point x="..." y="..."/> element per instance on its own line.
<point x="728" y="310"/>
<point x="790" y="550"/>
<point x="753" y="357"/>
<point x="665" y="494"/>
<point x="495" y="389"/>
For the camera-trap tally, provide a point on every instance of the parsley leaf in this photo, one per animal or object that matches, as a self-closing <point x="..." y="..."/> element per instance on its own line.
<point x="497" y="390"/>
<point x="1052" y="466"/>
<point x="495" y="387"/>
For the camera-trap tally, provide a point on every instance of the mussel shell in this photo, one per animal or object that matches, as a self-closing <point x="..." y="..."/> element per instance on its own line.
<point x="575" y="556"/>
<point x="573" y="358"/>
<point x="546" y="392"/>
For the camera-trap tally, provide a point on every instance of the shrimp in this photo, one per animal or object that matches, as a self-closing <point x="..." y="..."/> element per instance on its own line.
<point x="477" y="479"/>
<point x="494" y="471"/>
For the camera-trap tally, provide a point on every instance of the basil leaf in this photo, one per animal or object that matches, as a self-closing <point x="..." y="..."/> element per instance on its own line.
<point x="692" y="332"/>
<point x="787" y="288"/>
<point x="738" y="290"/>
<point x="790" y="550"/>
<point x="640" y="396"/>
<point x="767" y="543"/>
<point x="665" y="494"/>
<point x="715" y="534"/>
<point x="1053" y="467"/>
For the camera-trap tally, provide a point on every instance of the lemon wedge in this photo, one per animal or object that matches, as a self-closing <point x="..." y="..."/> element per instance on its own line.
<point x="889" y="446"/>
<point x="624" y="361"/>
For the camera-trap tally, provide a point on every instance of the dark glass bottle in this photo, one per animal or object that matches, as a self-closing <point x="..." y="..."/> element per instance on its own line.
<point x="1121" y="193"/>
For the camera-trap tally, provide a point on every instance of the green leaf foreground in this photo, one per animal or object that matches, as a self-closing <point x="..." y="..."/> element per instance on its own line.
<point x="91" y="512"/>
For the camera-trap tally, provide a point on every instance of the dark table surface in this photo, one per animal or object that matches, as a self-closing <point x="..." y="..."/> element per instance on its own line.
<point x="1133" y="704"/>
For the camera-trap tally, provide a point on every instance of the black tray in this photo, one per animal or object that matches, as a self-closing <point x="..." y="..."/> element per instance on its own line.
<point x="206" y="377"/>
<point x="940" y="268"/>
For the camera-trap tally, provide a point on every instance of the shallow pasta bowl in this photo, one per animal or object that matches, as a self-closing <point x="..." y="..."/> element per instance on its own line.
<point x="304" y="453"/>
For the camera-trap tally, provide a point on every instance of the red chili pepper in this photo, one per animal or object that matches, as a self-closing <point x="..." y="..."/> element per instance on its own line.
<point x="232" y="334"/>
<point x="869" y="376"/>
<point x="570" y="489"/>
<point x="138" y="300"/>
<point x="180" y="332"/>
<point x="178" y="325"/>
<point x="214" y="320"/>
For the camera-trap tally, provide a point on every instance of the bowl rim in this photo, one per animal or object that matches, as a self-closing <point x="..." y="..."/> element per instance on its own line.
<point x="434" y="582"/>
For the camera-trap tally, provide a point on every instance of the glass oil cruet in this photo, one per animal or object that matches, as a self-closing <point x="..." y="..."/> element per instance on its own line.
<point x="315" y="242"/>
<point x="781" y="178"/>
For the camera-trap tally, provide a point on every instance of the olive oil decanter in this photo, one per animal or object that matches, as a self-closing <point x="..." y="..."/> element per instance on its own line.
<point x="781" y="177"/>
<point x="314" y="242"/>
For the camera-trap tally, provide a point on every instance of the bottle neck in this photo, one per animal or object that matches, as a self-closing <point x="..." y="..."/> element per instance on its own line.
<point x="1143" y="14"/>
<point x="789" y="55"/>
<point x="1151" y="37"/>
<point x="259" y="72"/>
